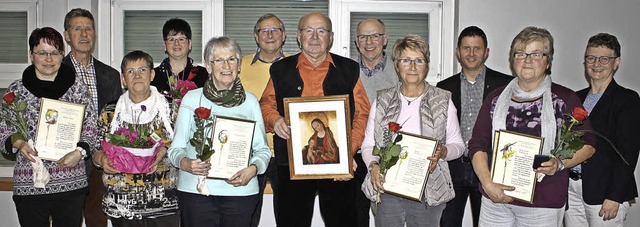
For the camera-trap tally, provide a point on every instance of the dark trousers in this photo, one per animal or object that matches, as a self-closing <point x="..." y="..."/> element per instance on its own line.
<point x="172" y="220"/>
<point x="465" y="184"/>
<point x="93" y="215"/>
<point x="64" y="209"/>
<point x="363" y="204"/>
<point x="272" y="176"/>
<point x="295" y="200"/>
<point x="216" y="211"/>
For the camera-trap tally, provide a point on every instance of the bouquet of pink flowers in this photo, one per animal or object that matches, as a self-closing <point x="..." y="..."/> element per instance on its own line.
<point x="132" y="149"/>
<point x="179" y="87"/>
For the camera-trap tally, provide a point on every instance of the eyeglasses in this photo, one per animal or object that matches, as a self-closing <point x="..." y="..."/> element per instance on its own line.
<point x="80" y="29"/>
<point x="373" y="37"/>
<point x="133" y="72"/>
<point x="406" y="62"/>
<point x="181" y="40"/>
<point x="43" y="54"/>
<point x="602" y="59"/>
<point x="221" y="61"/>
<point x="265" y="31"/>
<point x="520" y="55"/>
<point x="320" y="31"/>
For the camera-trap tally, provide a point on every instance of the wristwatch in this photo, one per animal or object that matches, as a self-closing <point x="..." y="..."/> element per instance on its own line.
<point x="82" y="152"/>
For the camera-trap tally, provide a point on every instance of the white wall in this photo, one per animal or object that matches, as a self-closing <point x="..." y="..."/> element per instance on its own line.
<point x="571" y="22"/>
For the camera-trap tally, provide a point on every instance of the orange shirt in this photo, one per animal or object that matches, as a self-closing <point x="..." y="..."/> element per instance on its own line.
<point x="313" y="76"/>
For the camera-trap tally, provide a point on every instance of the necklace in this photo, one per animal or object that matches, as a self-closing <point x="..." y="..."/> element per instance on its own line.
<point x="409" y="101"/>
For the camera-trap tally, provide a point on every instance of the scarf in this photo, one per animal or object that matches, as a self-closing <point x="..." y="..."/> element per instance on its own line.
<point x="548" y="119"/>
<point x="127" y="111"/>
<point x="55" y="89"/>
<point x="225" y="98"/>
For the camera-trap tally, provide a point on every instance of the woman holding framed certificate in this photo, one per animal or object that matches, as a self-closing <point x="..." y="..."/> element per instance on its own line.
<point x="214" y="201"/>
<point x="48" y="192"/>
<point x="424" y="110"/>
<point x="530" y="105"/>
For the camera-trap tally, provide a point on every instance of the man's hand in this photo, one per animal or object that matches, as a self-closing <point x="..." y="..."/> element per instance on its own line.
<point x="609" y="210"/>
<point x="355" y="166"/>
<point x="282" y="129"/>
<point x="495" y="192"/>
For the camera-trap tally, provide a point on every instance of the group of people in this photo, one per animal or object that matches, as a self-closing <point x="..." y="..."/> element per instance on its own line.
<point x="381" y="88"/>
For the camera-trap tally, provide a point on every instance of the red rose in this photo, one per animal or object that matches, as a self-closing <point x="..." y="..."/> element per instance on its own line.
<point x="203" y="113"/>
<point x="9" y="97"/>
<point x="580" y="113"/>
<point x="395" y="127"/>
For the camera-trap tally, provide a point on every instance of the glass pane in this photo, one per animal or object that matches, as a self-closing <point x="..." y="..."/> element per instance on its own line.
<point x="143" y="31"/>
<point x="14" y="37"/>
<point x="241" y="15"/>
<point x="397" y="25"/>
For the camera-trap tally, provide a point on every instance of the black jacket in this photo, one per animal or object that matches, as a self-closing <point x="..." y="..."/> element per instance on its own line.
<point x="492" y="80"/>
<point x="605" y="175"/>
<point x="340" y="80"/>
<point x="107" y="81"/>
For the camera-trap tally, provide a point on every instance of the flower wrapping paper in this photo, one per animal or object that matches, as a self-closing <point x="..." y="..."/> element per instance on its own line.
<point x="130" y="160"/>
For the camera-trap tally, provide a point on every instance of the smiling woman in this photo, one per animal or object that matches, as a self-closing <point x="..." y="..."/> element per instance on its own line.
<point x="67" y="181"/>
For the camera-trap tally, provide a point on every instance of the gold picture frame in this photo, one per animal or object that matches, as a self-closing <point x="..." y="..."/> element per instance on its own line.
<point x="320" y="143"/>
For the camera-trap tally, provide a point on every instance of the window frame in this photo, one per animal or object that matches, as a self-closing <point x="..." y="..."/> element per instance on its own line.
<point x="441" y="27"/>
<point x="9" y="72"/>
<point x="118" y="7"/>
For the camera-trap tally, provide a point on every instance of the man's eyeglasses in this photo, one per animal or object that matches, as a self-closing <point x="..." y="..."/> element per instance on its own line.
<point x="602" y="59"/>
<point x="520" y="55"/>
<point x="265" y="31"/>
<point x="319" y="31"/>
<point x="373" y="37"/>
<point x="133" y="72"/>
<point x="221" y="61"/>
<point x="406" y="62"/>
<point x="43" y="54"/>
<point x="181" y="40"/>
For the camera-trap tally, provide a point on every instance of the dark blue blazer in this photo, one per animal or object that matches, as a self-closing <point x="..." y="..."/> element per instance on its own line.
<point x="605" y="175"/>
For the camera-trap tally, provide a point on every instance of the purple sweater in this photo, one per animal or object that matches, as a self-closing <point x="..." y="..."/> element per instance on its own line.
<point x="524" y="117"/>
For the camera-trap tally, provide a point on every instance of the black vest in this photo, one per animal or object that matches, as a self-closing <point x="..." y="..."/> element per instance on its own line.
<point x="340" y="80"/>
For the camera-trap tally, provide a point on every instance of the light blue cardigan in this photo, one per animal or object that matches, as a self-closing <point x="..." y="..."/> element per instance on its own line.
<point x="185" y="126"/>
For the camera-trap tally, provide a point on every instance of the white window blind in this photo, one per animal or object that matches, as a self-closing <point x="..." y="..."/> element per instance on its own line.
<point x="397" y="26"/>
<point x="143" y="31"/>
<point x="14" y="37"/>
<point x="241" y="15"/>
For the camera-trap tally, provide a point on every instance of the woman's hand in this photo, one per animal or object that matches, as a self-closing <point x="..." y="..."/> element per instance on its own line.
<point x="107" y="166"/>
<point x="242" y="177"/>
<point x="282" y="129"/>
<point x="195" y="166"/>
<point x="161" y="153"/>
<point x="441" y="153"/>
<point x="25" y="150"/>
<point x="550" y="167"/>
<point x="495" y="192"/>
<point x="376" y="178"/>
<point x="71" y="159"/>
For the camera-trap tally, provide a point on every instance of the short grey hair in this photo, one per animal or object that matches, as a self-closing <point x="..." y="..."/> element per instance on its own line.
<point x="266" y="17"/>
<point x="221" y="43"/>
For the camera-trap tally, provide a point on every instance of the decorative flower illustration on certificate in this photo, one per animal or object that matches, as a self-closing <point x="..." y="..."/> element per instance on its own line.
<point x="52" y="118"/>
<point x="223" y="137"/>
<point x="507" y="153"/>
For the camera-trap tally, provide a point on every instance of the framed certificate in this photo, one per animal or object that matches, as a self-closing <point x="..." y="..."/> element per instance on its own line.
<point x="59" y="127"/>
<point x="232" y="140"/>
<point x="408" y="176"/>
<point x="320" y="137"/>
<point x="512" y="162"/>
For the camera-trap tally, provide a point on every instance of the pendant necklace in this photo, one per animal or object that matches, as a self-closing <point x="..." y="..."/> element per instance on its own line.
<point x="409" y="101"/>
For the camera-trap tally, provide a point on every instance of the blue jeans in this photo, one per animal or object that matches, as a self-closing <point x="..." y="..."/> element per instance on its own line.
<point x="397" y="211"/>
<point x="219" y="211"/>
